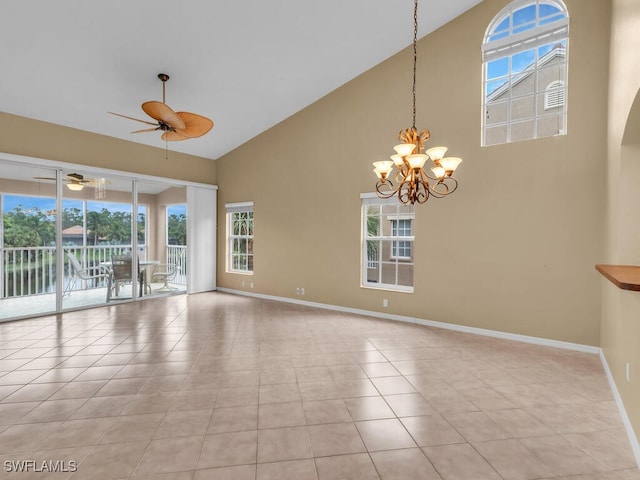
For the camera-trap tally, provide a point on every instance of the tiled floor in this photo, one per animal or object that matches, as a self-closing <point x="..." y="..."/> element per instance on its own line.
<point x="216" y="386"/>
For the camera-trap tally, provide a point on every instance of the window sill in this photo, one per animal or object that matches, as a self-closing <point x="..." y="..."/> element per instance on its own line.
<point x="238" y="272"/>
<point x="625" y="277"/>
<point x="388" y="288"/>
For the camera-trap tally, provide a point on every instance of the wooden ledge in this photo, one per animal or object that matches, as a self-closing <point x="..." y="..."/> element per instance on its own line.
<point x="626" y="277"/>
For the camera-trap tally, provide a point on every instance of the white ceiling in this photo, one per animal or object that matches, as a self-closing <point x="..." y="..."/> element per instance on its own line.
<point x="246" y="64"/>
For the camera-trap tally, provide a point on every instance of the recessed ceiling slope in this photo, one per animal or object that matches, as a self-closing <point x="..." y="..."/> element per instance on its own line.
<point x="247" y="64"/>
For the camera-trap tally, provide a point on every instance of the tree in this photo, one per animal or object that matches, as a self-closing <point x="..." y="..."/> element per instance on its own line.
<point x="71" y="217"/>
<point x="177" y="229"/>
<point x="97" y="225"/>
<point x="31" y="227"/>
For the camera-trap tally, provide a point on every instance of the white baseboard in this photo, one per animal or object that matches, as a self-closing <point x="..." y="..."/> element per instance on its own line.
<point x="633" y="439"/>
<point x="429" y="323"/>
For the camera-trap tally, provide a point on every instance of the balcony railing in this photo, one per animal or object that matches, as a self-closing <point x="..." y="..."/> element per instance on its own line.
<point x="32" y="270"/>
<point x="177" y="255"/>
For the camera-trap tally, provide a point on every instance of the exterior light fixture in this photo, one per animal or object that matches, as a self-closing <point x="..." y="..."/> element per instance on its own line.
<point x="414" y="184"/>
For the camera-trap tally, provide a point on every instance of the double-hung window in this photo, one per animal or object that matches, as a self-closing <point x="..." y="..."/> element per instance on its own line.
<point x="240" y="237"/>
<point x="387" y="244"/>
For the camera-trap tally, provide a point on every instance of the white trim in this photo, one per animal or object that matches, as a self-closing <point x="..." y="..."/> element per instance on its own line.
<point x="633" y="439"/>
<point x="231" y="210"/>
<point x="239" y="205"/>
<point x="373" y="199"/>
<point x="429" y="323"/>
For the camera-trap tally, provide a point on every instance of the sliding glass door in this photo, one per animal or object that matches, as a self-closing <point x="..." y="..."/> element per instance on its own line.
<point x="74" y="237"/>
<point x="97" y="225"/>
<point x="28" y="280"/>
<point x="166" y="263"/>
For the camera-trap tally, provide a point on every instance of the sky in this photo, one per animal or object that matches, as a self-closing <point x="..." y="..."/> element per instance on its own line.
<point x="48" y="204"/>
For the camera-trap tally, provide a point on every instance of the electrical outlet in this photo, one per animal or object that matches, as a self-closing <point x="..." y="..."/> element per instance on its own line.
<point x="628" y="373"/>
<point x="385" y="303"/>
<point x="297" y="290"/>
<point x="302" y="291"/>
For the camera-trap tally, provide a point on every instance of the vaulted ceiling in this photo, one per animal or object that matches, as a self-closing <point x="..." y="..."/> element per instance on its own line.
<point x="246" y="64"/>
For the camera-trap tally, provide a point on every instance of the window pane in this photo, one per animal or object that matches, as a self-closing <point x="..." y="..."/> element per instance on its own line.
<point x="493" y="86"/>
<point x="504" y="25"/>
<point x="550" y="74"/>
<point x="498" y="68"/>
<point x="405" y="274"/>
<point x="549" y="126"/>
<point x="373" y="225"/>
<point x="250" y="224"/>
<point x="520" y="61"/>
<point x="523" y="108"/>
<point x="497" y="113"/>
<point x="546" y="10"/>
<point x="524" y="15"/>
<point x="523" y="131"/>
<point x="495" y="135"/>
<point x="389" y="271"/>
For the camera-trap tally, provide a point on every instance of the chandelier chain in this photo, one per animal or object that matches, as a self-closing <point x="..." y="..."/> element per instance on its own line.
<point x="415" y="57"/>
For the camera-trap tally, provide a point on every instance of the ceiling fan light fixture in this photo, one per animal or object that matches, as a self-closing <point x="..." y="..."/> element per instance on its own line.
<point x="76" y="187"/>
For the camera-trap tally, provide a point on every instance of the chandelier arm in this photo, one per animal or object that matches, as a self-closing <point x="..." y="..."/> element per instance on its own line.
<point x="448" y="185"/>
<point x="385" y="189"/>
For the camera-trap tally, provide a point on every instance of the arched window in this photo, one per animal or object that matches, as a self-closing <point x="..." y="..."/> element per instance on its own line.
<point x="525" y="72"/>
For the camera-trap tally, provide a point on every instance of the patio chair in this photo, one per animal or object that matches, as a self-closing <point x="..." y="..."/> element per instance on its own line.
<point x="94" y="273"/>
<point x="163" y="273"/>
<point x="121" y="274"/>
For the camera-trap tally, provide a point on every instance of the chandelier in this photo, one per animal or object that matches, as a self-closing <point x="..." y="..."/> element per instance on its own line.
<point x="414" y="184"/>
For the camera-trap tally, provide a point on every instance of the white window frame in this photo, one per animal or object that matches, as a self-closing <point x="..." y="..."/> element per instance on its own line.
<point x="367" y="200"/>
<point x="231" y="210"/>
<point x="401" y="245"/>
<point x="513" y="41"/>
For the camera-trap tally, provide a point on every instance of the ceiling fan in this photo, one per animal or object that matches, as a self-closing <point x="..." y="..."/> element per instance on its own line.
<point x="175" y="126"/>
<point x="76" y="182"/>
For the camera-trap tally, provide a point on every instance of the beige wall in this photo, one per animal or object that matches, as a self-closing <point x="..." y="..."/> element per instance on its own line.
<point x="512" y="250"/>
<point x="620" y="313"/>
<point x="32" y="138"/>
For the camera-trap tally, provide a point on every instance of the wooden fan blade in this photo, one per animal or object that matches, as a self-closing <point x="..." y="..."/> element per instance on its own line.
<point x="44" y="178"/>
<point x="195" y="125"/>
<point x="146" y="130"/>
<point x="163" y="113"/>
<point x="173" y="136"/>
<point x="131" y="118"/>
